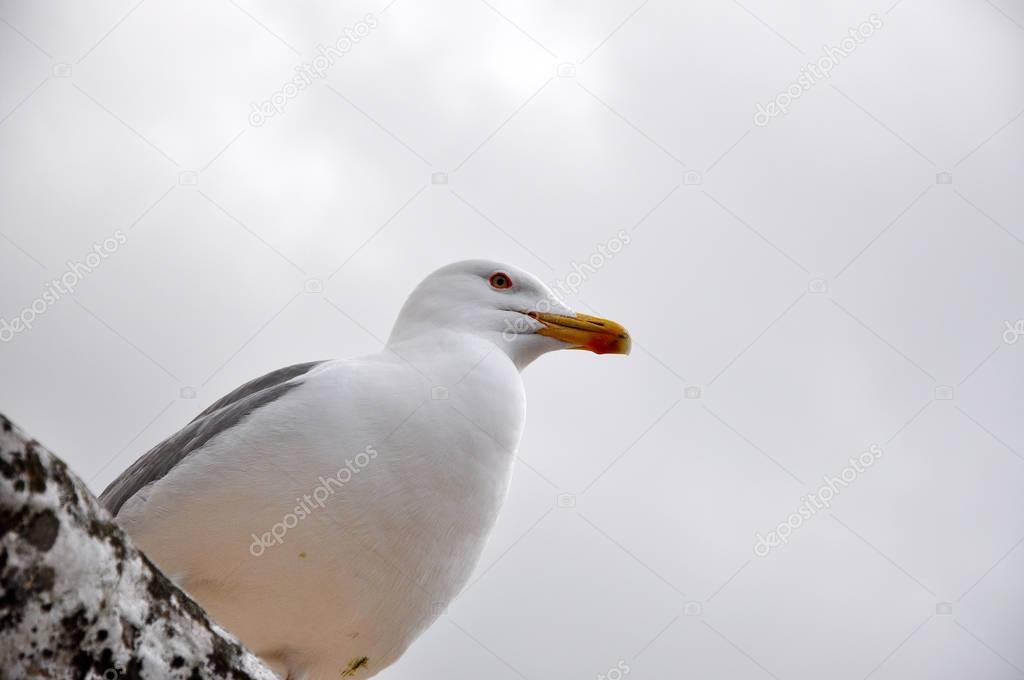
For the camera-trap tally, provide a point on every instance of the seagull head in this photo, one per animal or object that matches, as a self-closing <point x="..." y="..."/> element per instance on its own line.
<point x="507" y="306"/>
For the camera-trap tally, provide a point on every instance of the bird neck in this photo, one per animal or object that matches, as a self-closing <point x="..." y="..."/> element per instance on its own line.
<point x="444" y="354"/>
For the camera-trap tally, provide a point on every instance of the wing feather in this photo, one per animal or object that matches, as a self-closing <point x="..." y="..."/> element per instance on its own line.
<point x="219" y="417"/>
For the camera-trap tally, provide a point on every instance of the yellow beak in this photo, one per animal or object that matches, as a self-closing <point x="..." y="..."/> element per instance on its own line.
<point x="598" y="335"/>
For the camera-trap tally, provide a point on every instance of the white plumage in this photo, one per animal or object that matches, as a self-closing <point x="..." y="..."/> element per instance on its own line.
<point x="327" y="513"/>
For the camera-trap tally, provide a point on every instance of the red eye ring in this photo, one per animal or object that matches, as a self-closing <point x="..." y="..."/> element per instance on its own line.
<point x="500" y="280"/>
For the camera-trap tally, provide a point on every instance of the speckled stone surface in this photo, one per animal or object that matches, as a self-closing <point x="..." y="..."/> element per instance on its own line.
<point x="78" y="600"/>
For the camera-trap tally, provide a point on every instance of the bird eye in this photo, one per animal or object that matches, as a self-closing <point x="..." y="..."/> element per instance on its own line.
<point x="500" y="280"/>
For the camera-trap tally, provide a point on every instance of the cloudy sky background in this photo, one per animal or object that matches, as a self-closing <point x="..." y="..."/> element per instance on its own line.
<point x="848" y="275"/>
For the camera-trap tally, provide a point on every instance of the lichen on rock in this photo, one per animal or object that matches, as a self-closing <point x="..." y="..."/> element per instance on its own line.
<point x="78" y="600"/>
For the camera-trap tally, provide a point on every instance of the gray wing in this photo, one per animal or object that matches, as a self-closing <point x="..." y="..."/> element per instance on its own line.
<point x="220" y="416"/>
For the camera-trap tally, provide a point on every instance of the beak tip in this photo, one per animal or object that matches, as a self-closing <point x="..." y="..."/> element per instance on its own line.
<point x="620" y="344"/>
<point x="626" y="344"/>
<point x="582" y="331"/>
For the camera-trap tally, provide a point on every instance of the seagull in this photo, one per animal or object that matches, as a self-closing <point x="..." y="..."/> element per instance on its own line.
<point x="328" y="512"/>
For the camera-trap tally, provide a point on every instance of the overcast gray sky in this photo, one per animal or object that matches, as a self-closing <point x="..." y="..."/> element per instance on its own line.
<point x="818" y="232"/>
